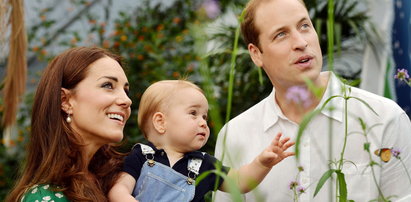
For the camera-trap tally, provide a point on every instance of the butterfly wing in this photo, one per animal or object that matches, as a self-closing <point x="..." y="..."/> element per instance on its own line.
<point x="384" y="154"/>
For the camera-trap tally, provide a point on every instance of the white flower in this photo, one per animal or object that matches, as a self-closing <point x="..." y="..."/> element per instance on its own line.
<point x="47" y="198"/>
<point x="59" y="195"/>
<point x="46" y="186"/>
<point x="34" y="190"/>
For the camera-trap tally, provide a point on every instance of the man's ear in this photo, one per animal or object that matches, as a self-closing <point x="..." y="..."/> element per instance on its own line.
<point x="65" y="101"/>
<point x="159" y="122"/>
<point x="256" y="54"/>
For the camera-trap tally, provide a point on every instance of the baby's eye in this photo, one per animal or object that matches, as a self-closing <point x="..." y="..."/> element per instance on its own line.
<point x="205" y="117"/>
<point x="108" y="85"/>
<point x="194" y="113"/>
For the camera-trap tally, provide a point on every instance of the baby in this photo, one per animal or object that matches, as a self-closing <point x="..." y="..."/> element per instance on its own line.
<point x="173" y="118"/>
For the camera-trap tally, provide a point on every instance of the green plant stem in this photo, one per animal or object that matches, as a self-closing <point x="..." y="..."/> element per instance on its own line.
<point x="367" y="148"/>
<point x="295" y="195"/>
<point x="232" y="71"/>
<point x="376" y="183"/>
<point x="231" y="82"/>
<point x="373" y="173"/>
<point x="341" y="162"/>
<point x="330" y="52"/>
<point x="330" y="34"/>
<point x="336" y="189"/>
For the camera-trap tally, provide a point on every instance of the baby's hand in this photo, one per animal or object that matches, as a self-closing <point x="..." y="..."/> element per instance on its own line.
<point x="276" y="152"/>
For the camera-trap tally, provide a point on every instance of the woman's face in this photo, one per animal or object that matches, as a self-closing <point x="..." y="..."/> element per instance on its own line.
<point x="100" y="105"/>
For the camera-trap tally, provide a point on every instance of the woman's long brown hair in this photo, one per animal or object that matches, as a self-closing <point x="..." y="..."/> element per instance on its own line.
<point x="54" y="154"/>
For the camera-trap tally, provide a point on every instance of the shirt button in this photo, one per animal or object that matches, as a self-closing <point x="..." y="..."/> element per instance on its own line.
<point x="162" y="153"/>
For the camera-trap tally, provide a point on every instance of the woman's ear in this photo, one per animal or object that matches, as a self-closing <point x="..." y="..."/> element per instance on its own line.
<point x="65" y="98"/>
<point x="159" y="122"/>
<point x="255" y="54"/>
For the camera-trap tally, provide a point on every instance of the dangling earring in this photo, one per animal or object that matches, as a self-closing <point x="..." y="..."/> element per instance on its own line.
<point x="68" y="119"/>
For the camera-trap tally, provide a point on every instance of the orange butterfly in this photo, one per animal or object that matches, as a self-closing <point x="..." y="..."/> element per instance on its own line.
<point x="384" y="154"/>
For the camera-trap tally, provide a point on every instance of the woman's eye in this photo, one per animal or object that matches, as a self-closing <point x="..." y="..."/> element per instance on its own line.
<point x="127" y="91"/>
<point x="107" y="85"/>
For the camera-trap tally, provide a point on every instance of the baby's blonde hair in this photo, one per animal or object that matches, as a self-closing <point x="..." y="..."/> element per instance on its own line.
<point x="156" y="98"/>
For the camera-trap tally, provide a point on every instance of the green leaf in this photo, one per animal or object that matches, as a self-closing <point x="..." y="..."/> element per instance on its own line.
<point x="323" y="179"/>
<point x="363" y="126"/>
<point x="232" y="68"/>
<point x="304" y="123"/>
<point x="317" y="91"/>
<point x="234" y="190"/>
<point x="329" y="99"/>
<point x="202" y="176"/>
<point x="342" y="186"/>
<point x="367" y="146"/>
<point x="366" y="104"/>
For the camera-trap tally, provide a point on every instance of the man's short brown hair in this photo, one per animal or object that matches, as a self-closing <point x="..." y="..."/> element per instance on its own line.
<point x="248" y="29"/>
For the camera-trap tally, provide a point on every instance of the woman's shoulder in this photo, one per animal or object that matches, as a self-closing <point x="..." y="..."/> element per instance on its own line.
<point x="44" y="192"/>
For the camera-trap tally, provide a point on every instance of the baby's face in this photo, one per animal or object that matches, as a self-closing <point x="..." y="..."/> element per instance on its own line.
<point x="186" y="120"/>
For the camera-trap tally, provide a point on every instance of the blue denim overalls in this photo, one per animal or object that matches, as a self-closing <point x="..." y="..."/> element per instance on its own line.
<point x="160" y="183"/>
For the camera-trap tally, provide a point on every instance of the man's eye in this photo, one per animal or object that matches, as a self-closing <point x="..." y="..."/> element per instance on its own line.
<point x="279" y="35"/>
<point x="305" y="26"/>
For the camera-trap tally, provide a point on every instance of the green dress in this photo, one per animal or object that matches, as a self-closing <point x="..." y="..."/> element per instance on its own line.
<point x="43" y="193"/>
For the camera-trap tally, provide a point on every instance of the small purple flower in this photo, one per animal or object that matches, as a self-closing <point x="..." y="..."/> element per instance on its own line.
<point x="301" y="189"/>
<point x="212" y="8"/>
<point x="402" y="75"/>
<point x="396" y="153"/>
<point x="293" y="185"/>
<point x="299" y="95"/>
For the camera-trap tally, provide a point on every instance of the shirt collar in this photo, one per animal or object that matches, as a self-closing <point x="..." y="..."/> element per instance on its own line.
<point x="193" y="154"/>
<point x="272" y="112"/>
<point x="334" y="87"/>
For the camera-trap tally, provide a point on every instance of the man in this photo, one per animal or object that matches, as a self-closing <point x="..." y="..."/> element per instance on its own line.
<point x="282" y="40"/>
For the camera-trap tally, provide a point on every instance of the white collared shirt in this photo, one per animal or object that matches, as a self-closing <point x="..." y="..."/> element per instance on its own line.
<point x="253" y="130"/>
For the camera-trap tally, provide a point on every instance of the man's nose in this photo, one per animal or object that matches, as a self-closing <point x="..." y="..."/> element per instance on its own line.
<point x="299" y="42"/>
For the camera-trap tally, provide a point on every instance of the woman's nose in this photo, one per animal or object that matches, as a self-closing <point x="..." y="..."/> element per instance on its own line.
<point x="124" y="100"/>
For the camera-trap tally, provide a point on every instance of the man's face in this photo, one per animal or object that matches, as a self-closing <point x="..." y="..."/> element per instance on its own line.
<point x="290" y="49"/>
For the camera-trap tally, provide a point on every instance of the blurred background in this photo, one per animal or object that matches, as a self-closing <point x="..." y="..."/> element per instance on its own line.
<point x="172" y="39"/>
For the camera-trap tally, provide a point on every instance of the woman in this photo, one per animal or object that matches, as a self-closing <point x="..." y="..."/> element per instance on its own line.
<point x="81" y="105"/>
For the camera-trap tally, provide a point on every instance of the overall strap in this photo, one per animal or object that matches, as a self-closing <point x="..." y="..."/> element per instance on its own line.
<point x="193" y="166"/>
<point x="146" y="151"/>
